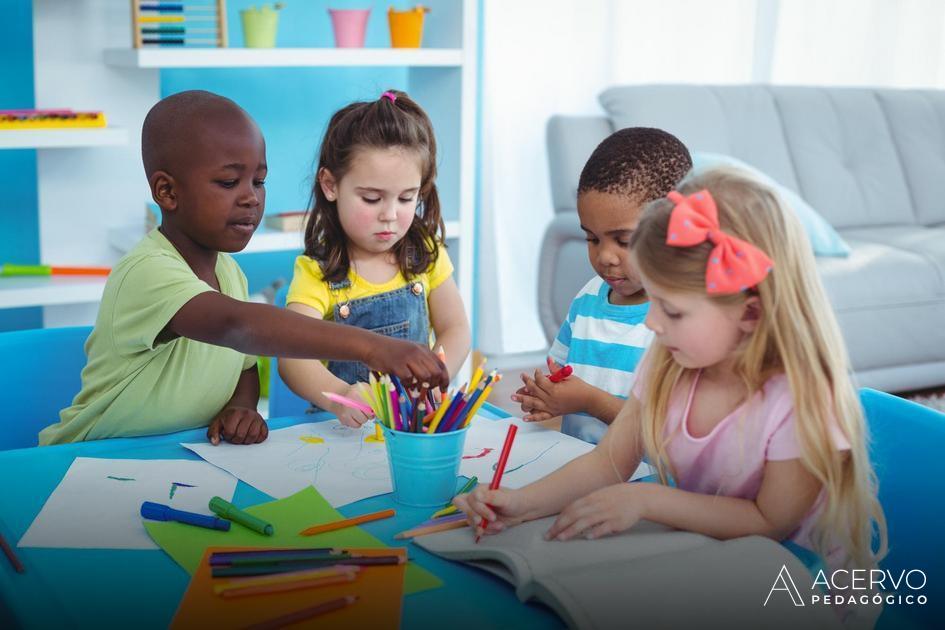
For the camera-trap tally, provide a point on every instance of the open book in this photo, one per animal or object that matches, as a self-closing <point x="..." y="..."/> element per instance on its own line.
<point x="648" y="575"/>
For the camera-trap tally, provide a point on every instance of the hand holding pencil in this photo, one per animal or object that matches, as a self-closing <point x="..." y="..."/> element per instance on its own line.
<point x="490" y="511"/>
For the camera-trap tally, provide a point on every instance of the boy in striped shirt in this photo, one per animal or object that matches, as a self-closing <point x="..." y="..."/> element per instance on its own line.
<point x="604" y="337"/>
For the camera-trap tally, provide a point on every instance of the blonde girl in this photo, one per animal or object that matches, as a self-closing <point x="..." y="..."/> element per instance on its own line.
<point x="744" y="399"/>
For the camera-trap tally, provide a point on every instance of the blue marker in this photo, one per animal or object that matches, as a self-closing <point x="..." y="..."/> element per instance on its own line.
<point x="159" y="512"/>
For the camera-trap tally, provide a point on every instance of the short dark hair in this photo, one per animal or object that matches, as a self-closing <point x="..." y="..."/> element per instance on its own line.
<point x="169" y="127"/>
<point x="393" y="120"/>
<point x="641" y="163"/>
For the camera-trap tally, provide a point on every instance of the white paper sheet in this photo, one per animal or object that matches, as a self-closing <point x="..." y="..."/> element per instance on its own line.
<point x="344" y="464"/>
<point x="97" y="505"/>
<point x="536" y="452"/>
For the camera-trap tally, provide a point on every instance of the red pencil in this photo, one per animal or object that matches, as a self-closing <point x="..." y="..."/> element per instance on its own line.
<point x="500" y="467"/>
<point x="11" y="556"/>
<point x="561" y="374"/>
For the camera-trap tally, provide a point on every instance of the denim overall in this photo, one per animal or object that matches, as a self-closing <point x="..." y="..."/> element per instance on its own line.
<point x="401" y="313"/>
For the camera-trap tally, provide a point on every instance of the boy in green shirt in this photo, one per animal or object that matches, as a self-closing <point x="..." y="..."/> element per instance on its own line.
<point x="174" y="338"/>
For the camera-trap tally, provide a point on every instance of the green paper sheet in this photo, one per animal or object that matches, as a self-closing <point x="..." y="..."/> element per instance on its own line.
<point x="186" y="544"/>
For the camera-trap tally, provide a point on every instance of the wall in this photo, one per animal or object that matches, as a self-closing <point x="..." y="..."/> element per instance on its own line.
<point x="19" y="228"/>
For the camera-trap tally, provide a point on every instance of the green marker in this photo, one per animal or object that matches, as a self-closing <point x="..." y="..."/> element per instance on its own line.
<point x="229" y="511"/>
<point x="25" y="270"/>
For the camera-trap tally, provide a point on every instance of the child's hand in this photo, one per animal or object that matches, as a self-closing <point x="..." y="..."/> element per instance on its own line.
<point x="541" y="399"/>
<point x="601" y="513"/>
<point x="502" y="508"/>
<point x="350" y="417"/>
<point x="238" y="425"/>
<point x="408" y="361"/>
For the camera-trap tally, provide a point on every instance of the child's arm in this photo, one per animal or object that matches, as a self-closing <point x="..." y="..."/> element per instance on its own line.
<point x="310" y="378"/>
<point x="239" y="422"/>
<point x="261" y="329"/>
<point x="611" y="462"/>
<point x="541" y="399"/>
<point x="787" y="494"/>
<point x="448" y="316"/>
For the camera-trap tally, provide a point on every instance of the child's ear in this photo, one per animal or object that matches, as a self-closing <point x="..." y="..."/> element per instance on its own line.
<point x="751" y="314"/>
<point x="328" y="184"/>
<point x="163" y="190"/>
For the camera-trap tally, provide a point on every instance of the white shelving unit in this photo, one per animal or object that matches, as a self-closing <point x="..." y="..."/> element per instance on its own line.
<point x="124" y="238"/>
<point x="282" y="57"/>
<point x="62" y="138"/>
<point x="50" y="291"/>
<point x="89" y="196"/>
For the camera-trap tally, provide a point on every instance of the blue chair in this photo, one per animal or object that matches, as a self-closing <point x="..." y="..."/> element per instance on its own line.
<point x="906" y="452"/>
<point x="282" y="401"/>
<point x="39" y="375"/>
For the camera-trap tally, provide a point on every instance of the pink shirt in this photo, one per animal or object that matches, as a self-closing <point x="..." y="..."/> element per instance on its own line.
<point x="730" y="460"/>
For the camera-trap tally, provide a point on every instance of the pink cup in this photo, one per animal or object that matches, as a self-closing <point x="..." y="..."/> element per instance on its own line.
<point x="349" y="26"/>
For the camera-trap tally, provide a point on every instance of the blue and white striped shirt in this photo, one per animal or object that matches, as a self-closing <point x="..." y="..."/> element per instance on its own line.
<point x="603" y="343"/>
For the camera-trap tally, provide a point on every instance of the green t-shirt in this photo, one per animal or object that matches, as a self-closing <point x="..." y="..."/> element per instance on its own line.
<point x="135" y="384"/>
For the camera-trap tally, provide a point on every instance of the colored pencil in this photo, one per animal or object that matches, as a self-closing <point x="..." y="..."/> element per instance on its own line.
<point x="482" y="400"/>
<point x="288" y="567"/>
<point x="347" y="402"/>
<point x="431" y="529"/>
<point x="500" y="468"/>
<point x="449" y="508"/>
<point x="290" y="585"/>
<point x="347" y="522"/>
<point x="223" y="558"/>
<point x="284" y="578"/>
<point x="477" y="374"/>
<point x="451" y="409"/>
<point x="11" y="555"/>
<point x="444" y="519"/>
<point x="439" y="414"/>
<point x="306" y="613"/>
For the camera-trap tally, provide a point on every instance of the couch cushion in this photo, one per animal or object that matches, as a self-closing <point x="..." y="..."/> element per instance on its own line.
<point x="889" y="302"/>
<point x="928" y="243"/>
<point x="917" y="121"/>
<point x="571" y="140"/>
<point x="846" y="163"/>
<point x="741" y="121"/>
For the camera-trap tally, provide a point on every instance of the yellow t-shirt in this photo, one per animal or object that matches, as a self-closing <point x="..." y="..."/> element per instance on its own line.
<point x="309" y="286"/>
<point x="134" y="384"/>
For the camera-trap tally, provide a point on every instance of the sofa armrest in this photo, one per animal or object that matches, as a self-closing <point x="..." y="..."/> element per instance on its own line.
<point x="563" y="269"/>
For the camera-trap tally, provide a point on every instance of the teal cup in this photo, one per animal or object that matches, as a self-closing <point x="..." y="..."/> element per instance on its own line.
<point x="423" y="468"/>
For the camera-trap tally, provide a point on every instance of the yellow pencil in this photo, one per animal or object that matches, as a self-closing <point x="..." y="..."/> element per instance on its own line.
<point x="477" y="375"/>
<point x="479" y="403"/>
<point x="439" y="414"/>
<point x="430" y="529"/>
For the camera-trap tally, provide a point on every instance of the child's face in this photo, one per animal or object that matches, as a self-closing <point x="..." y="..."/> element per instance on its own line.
<point x="609" y="220"/>
<point x="376" y="198"/>
<point x="220" y="192"/>
<point x="699" y="332"/>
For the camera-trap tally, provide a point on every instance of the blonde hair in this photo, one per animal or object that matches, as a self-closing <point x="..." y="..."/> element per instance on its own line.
<point x="797" y="335"/>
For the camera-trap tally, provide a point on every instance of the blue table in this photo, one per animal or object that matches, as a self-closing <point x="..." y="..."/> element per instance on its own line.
<point x="113" y="588"/>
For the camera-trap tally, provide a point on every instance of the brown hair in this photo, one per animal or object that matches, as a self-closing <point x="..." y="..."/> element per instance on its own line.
<point x="385" y="122"/>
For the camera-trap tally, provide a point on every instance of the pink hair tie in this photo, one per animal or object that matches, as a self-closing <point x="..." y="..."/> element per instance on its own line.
<point x="390" y="95"/>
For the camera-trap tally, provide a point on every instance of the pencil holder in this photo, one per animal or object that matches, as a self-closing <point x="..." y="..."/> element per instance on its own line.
<point x="424" y="467"/>
<point x="406" y="27"/>
<point x="349" y="26"/>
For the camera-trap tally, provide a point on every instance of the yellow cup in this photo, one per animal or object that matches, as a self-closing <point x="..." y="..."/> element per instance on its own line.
<point x="406" y="27"/>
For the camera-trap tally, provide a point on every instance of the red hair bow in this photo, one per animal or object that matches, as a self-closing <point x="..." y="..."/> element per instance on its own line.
<point x="734" y="265"/>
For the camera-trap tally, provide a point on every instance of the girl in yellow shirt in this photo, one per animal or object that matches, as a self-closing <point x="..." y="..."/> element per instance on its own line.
<point x="374" y="253"/>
